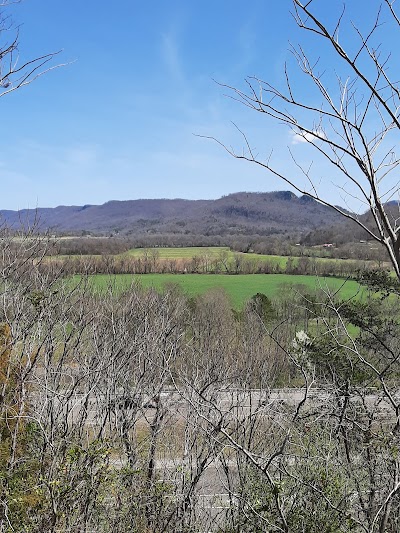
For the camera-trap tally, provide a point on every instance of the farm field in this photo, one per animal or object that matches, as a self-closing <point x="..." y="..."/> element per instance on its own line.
<point x="220" y="258"/>
<point x="212" y="253"/>
<point x="218" y="252"/>
<point x="238" y="287"/>
<point x="181" y="253"/>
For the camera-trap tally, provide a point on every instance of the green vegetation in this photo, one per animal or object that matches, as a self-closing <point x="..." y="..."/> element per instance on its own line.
<point x="181" y="253"/>
<point x="224" y="255"/>
<point x="239" y="288"/>
<point x="213" y="253"/>
<point x="203" y="260"/>
<point x="218" y="252"/>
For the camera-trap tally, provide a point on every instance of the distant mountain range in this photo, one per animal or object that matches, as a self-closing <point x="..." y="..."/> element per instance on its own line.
<point x="240" y="213"/>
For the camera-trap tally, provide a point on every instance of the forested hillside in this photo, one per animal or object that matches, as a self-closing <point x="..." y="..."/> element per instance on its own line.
<point x="235" y="214"/>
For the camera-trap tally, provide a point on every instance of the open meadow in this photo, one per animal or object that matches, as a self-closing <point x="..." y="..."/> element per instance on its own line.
<point x="316" y="253"/>
<point x="220" y="253"/>
<point x="239" y="288"/>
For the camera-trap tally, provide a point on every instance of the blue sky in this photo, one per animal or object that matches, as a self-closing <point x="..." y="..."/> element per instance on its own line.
<point x="120" y="120"/>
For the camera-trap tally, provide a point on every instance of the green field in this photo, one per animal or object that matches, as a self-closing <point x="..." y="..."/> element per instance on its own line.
<point x="239" y="288"/>
<point x="214" y="252"/>
<point x="217" y="255"/>
<point x="219" y="252"/>
<point x="181" y="253"/>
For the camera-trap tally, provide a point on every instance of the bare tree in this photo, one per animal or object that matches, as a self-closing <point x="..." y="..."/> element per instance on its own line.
<point x="352" y="121"/>
<point x="322" y="459"/>
<point x="14" y="71"/>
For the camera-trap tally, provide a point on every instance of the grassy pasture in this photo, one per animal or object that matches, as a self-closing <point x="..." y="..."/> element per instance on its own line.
<point x="218" y="252"/>
<point x="239" y="288"/>
<point x="221" y="255"/>
<point x="181" y="253"/>
<point x="214" y="252"/>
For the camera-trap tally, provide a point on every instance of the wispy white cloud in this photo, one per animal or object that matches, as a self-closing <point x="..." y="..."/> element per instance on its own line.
<point x="300" y="137"/>
<point x="171" y="56"/>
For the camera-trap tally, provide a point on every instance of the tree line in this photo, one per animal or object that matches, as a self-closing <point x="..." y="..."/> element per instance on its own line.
<point x="150" y="261"/>
<point x="287" y="244"/>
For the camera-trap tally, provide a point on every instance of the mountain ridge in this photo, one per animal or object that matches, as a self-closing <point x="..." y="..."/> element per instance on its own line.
<point x="263" y="213"/>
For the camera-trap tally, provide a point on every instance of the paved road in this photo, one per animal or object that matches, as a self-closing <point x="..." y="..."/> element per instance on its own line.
<point x="234" y="402"/>
<point x="212" y="493"/>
